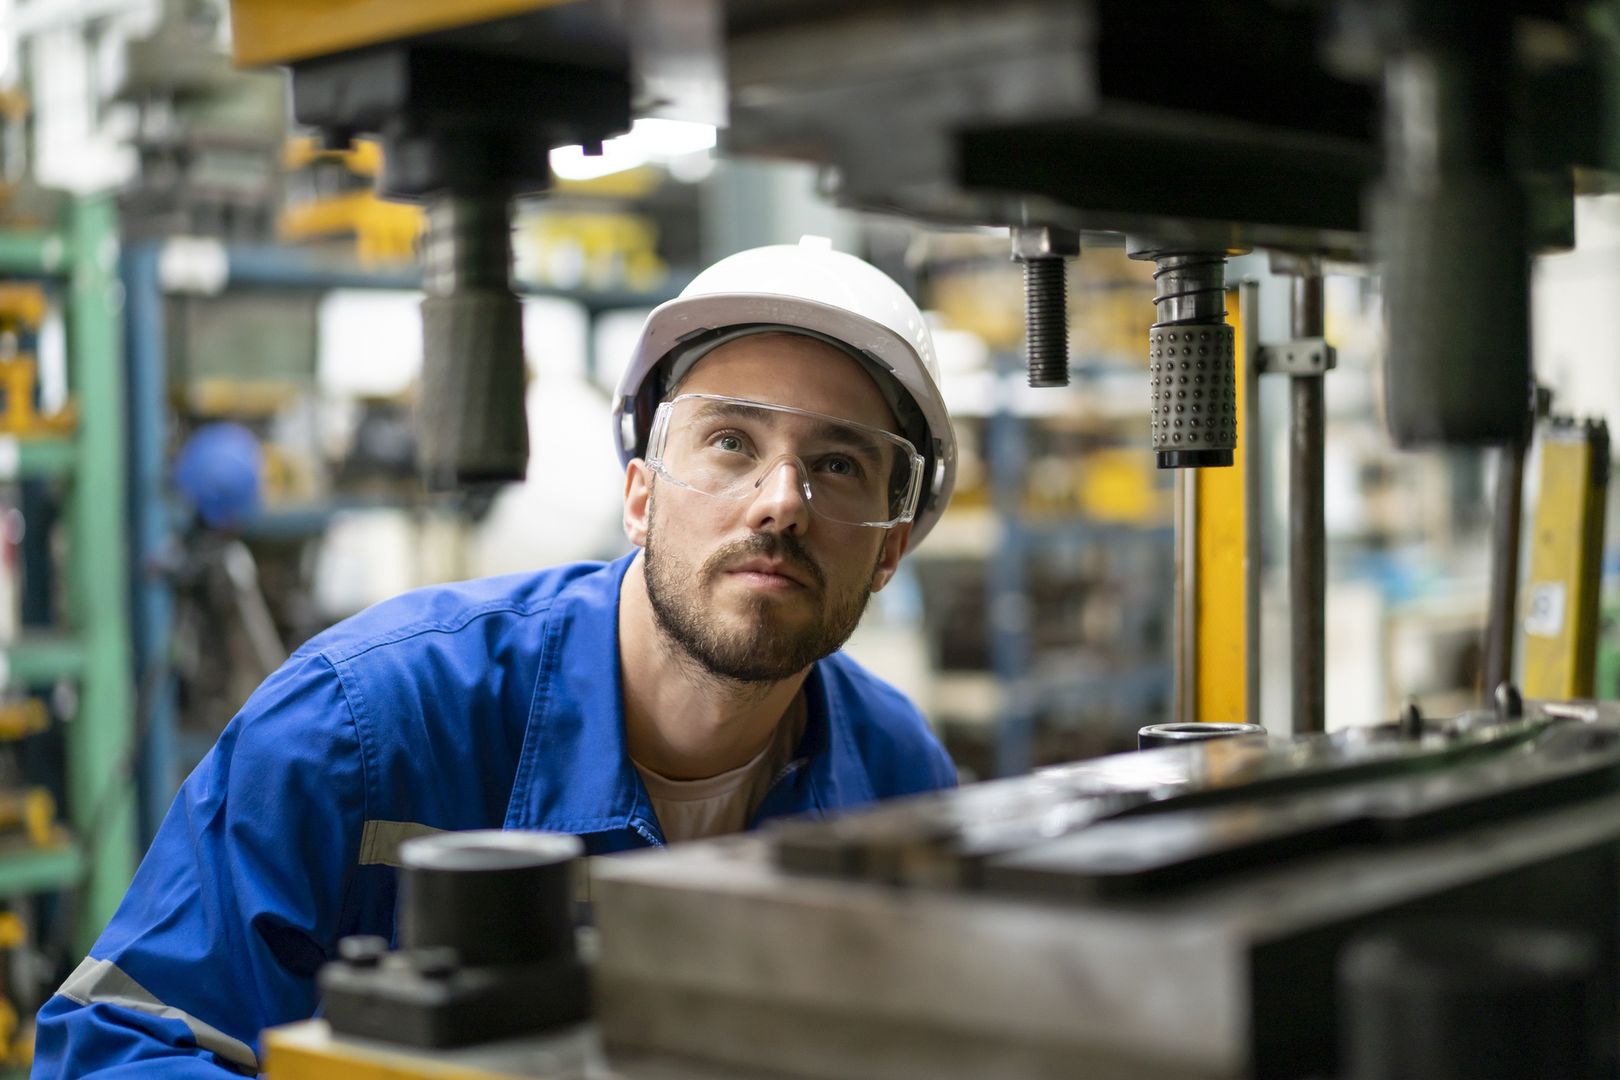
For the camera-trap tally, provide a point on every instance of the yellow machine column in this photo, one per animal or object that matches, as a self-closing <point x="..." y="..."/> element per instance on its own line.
<point x="1566" y="561"/>
<point x="1217" y="557"/>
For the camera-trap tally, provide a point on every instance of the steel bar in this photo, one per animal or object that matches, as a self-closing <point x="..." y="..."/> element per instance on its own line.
<point x="1249" y="462"/>
<point x="1505" y="535"/>
<point x="1307" y="542"/>
<point x="1186" y="598"/>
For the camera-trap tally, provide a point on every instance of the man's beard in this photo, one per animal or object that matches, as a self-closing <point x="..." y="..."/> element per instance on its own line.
<point x="760" y="651"/>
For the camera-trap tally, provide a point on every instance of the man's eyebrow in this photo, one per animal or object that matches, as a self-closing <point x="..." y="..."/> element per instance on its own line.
<point x="869" y="446"/>
<point x="838" y="435"/>
<point x="722" y="410"/>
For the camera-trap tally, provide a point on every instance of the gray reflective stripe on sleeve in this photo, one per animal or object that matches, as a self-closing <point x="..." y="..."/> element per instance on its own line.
<point x="102" y="982"/>
<point x="380" y="840"/>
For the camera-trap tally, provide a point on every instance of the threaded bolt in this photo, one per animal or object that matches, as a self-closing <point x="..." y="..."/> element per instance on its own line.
<point x="1044" y="250"/>
<point x="1047" y="315"/>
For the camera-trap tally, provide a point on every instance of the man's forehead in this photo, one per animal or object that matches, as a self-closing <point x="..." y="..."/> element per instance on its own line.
<point x="800" y="372"/>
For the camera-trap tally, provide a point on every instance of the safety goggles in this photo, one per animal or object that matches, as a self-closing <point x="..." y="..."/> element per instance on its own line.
<point x="727" y="447"/>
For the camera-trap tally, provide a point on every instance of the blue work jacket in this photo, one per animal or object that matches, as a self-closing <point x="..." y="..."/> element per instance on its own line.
<point x="488" y="704"/>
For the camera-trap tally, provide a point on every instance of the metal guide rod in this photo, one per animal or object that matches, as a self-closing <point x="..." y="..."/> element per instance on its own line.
<point x="1186" y="597"/>
<point x="1505" y="535"/>
<point x="1249" y="461"/>
<point x="1307" y="543"/>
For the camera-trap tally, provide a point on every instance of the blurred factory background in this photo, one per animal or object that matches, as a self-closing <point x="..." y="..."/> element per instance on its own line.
<point x="210" y="348"/>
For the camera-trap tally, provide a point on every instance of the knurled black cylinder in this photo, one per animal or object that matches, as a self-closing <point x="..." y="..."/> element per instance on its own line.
<point x="471" y="425"/>
<point x="495" y="906"/>
<point x="1457" y="303"/>
<point x="1193" y="383"/>
<point x="1047" y="321"/>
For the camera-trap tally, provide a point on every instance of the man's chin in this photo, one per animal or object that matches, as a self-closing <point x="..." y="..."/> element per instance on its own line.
<point x="755" y="621"/>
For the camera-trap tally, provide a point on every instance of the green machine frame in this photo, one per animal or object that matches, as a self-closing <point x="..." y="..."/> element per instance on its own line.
<point x="78" y="261"/>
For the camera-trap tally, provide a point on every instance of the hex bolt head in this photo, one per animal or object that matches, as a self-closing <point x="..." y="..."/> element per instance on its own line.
<point x="1044" y="242"/>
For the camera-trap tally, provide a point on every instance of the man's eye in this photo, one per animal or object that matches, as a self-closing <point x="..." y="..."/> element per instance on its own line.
<point x="841" y="466"/>
<point x="731" y="443"/>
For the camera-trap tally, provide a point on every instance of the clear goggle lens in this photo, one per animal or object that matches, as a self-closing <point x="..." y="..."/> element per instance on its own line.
<point x="728" y="447"/>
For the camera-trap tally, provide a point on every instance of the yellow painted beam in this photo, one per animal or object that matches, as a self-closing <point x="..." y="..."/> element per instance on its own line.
<point x="1566" y="562"/>
<point x="1222" y="690"/>
<point x="281" y="31"/>
<point x="309" y="1051"/>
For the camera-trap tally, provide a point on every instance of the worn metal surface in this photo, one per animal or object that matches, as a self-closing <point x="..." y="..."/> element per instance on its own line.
<point x="1068" y="954"/>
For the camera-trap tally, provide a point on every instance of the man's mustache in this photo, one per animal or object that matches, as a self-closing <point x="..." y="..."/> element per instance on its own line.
<point x="783" y="546"/>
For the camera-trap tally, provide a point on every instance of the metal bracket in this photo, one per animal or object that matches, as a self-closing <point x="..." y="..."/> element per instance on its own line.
<point x="1303" y="356"/>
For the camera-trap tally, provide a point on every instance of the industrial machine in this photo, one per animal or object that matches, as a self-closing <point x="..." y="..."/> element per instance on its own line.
<point x="1422" y="898"/>
<point x="1239" y="908"/>
<point x="1439" y="141"/>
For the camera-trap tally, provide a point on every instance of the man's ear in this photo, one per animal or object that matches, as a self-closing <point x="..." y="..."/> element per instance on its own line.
<point x="894" y="546"/>
<point x="637" y="501"/>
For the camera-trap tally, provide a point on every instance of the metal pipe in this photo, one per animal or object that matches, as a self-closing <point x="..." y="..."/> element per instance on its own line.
<point x="1505" y="534"/>
<point x="1249" y="319"/>
<point x="1307" y="542"/>
<point x="1185" y="674"/>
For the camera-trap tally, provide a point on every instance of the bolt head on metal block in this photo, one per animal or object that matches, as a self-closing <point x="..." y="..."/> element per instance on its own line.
<point x="1044" y="242"/>
<point x="1304" y="356"/>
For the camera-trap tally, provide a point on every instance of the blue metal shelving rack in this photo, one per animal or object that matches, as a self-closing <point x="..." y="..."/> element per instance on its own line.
<point x="1012" y="650"/>
<point x="216" y="267"/>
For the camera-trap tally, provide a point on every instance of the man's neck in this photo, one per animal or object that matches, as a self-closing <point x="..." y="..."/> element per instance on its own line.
<point x="680" y="721"/>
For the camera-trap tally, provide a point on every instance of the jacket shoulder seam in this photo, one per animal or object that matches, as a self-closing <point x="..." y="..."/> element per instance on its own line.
<point x="345" y="653"/>
<point x="367" y="769"/>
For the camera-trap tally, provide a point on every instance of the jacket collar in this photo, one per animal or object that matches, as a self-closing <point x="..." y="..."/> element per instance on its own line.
<point x="574" y="773"/>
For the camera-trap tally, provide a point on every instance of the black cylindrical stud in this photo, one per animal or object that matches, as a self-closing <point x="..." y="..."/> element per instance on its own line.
<point x="1410" y="722"/>
<point x="1509" y="702"/>
<point x="493" y="896"/>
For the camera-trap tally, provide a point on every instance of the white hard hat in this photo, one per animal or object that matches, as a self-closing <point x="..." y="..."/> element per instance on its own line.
<point x="833" y="295"/>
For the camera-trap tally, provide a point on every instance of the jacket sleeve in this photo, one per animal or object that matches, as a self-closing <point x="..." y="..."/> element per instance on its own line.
<point x="237" y="903"/>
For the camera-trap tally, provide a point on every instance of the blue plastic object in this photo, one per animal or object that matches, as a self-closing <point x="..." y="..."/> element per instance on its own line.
<point x="218" y="471"/>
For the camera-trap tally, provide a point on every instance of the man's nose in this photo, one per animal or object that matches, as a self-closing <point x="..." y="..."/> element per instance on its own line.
<point x="779" y="503"/>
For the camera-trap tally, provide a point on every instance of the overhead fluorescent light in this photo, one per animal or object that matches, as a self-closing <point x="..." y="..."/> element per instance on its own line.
<point x="648" y="142"/>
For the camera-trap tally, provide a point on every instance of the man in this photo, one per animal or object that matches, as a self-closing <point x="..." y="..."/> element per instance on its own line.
<point x="785" y="443"/>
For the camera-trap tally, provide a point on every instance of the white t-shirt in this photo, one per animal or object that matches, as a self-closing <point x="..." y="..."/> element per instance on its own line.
<point x="715" y="805"/>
